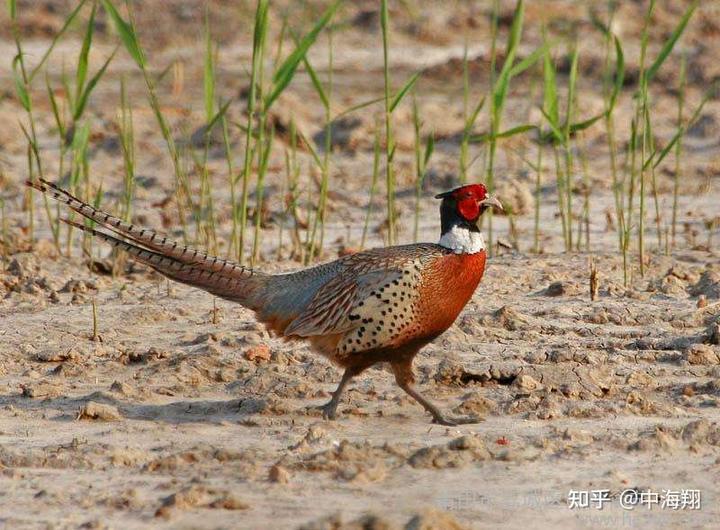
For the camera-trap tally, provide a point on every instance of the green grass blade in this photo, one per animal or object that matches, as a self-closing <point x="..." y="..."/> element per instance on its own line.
<point x="582" y="125"/>
<point x="286" y="71"/>
<point x="664" y="152"/>
<point x="81" y="137"/>
<point x="313" y="152"/>
<point x="528" y="61"/>
<point x="80" y="103"/>
<point x="481" y="138"/>
<point x="389" y="139"/>
<point x="520" y="129"/>
<point x="670" y="43"/>
<point x="465" y="78"/>
<point x="209" y="73"/>
<point x="56" y="38"/>
<point x="404" y="90"/>
<point x="503" y="81"/>
<point x="601" y="26"/>
<point x="373" y="185"/>
<point x="82" y="66"/>
<point x="550" y="94"/>
<point x="55" y="108"/>
<point x="515" y="33"/>
<point x="261" y="15"/>
<point x="384" y="18"/>
<point x="280" y="42"/>
<point x="681" y="131"/>
<point x="30" y="141"/>
<point x="79" y="148"/>
<point x="316" y="83"/>
<point x="266" y="150"/>
<point x="12" y="9"/>
<point x="619" y="74"/>
<point x="20" y="87"/>
<point x="473" y="116"/>
<point x="220" y="113"/>
<point x="359" y="106"/>
<point x="556" y="132"/>
<point x="127" y="34"/>
<point x="165" y="71"/>
<point x="65" y="82"/>
<point x="429" y="149"/>
<point x="572" y="83"/>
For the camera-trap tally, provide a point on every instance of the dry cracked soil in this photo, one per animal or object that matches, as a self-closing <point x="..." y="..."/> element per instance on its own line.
<point x="180" y="411"/>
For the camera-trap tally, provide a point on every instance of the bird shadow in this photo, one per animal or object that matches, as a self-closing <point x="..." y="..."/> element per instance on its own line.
<point x="66" y="408"/>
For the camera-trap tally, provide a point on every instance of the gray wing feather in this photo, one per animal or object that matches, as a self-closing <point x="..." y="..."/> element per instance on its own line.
<point x="331" y="310"/>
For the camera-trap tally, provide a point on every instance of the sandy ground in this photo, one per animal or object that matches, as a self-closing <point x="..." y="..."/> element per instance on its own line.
<point x="185" y="413"/>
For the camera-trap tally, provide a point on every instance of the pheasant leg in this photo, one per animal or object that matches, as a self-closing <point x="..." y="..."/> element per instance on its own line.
<point x="329" y="409"/>
<point x="405" y="379"/>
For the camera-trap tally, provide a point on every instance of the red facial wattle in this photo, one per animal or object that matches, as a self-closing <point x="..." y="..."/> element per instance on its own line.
<point x="468" y="200"/>
<point x="469" y="208"/>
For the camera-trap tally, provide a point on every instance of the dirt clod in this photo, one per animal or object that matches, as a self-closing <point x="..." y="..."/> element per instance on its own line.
<point x="433" y="519"/>
<point x="279" y="474"/>
<point x="52" y="355"/>
<point x="702" y="354"/>
<point x="99" y="411"/>
<point x="184" y="499"/>
<point x="259" y="353"/>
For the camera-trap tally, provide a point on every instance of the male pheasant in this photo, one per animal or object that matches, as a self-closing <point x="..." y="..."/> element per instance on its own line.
<point x="379" y="305"/>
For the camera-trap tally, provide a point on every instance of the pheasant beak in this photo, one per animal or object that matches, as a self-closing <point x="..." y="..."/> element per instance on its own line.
<point x="492" y="201"/>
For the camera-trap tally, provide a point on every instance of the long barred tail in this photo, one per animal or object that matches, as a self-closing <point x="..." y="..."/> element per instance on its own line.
<point x="221" y="277"/>
<point x="143" y="236"/>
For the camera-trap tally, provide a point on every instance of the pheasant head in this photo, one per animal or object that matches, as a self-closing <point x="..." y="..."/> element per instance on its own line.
<point x="460" y="210"/>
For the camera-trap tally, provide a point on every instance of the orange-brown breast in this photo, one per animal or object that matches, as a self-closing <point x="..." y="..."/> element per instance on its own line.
<point x="447" y="286"/>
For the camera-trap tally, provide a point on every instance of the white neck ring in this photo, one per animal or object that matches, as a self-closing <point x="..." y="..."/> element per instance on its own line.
<point x="462" y="240"/>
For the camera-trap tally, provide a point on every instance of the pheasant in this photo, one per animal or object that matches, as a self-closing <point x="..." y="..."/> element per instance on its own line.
<point x="379" y="305"/>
